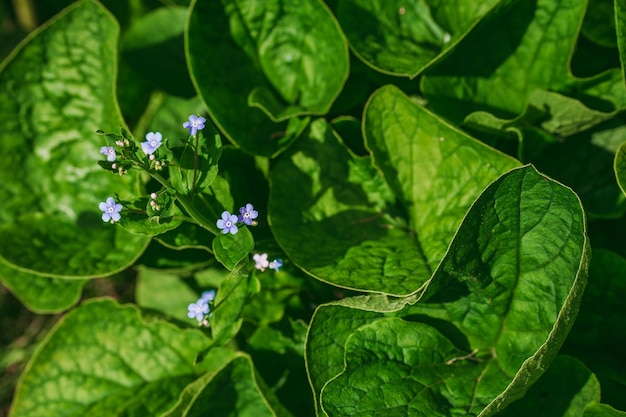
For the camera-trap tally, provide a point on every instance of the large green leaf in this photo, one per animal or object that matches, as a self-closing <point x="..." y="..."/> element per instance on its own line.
<point x="103" y="359"/>
<point x="533" y="50"/>
<point x="435" y="170"/>
<point x="232" y="391"/>
<point x="497" y="309"/>
<point x="327" y="211"/>
<point x="277" y="59"/>
<point x="55" y="92"/>
<point x="41" y="294"/>
<point x="404" y="37"/>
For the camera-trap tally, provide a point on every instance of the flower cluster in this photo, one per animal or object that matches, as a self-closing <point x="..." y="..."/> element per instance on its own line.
<point x="261" y="262"/>
<point x="201" y="308"/>
<point x="228" y="222"/>
<point x="123" y="154"/>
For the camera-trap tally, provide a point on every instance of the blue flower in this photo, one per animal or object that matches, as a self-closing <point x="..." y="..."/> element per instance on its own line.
<point x="109" y="151"/>
<point x="247" y="214"/>
<point x="228" y="223"/>
<point x="198" y="310"/>
<point x="260" y="261"/>
<point x="208" y="296"/>
<point x="276" y="264"/>
<point x="194" y="124"/>
<point x="153" y="141"/>
<point x="110" y="210"/>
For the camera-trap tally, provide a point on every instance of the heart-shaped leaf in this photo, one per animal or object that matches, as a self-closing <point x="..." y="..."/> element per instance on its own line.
<point x="103" y="358"/>
<point x="269" y="68"/>
<point x="55" y="92"/>
<point x="497" y="309"/>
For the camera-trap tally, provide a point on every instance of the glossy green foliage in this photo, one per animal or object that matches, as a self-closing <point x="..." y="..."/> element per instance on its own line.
<point x="494" y="314"/>
<point x="49" y="110"/>
<point x="438" y="192"/>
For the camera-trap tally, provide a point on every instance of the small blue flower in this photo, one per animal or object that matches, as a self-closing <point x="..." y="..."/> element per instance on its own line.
<point x="247" y="214"/>
<point x="194" y="124"/>
<point x="276" y="264"/>
<point x="198" y="310"/>
<point x="110" y="210"/>
<point x="153" y="141"/>
<point x="228" y="223"/>
<point x="109" y="151"/>
<point x="208" y="296"/>
<point x="260" y="261"/>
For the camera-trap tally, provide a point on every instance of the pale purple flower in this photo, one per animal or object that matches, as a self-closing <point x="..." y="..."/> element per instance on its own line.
<point x="109" y="151"/>
<point x="110" y="210"/>
<point x="198" y="310"/>
<point x="228" y="223"/>
<point x="260" y="261"/>
<point x="194" y="124"/>
<point x="276" y="264"/>
<point x="247" y="214"/>
<point x="153" y="141"/>
<point x="208" y="296"/>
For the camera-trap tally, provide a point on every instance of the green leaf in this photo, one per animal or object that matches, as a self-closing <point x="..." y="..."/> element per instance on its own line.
<point x="555" y="113"/>
<point x="602" y="410"/>
<point x="330" y="327"/>
<point x="232" y="296"/>
<point x="195" y="166"/>
<point x="300" y="55"/>
<point x="54" y="246"/>
<point x="140" y="218"/>
<point x="620" y="27"/>
<point x="280" y="291"/>
<point x="55" y="92"/>
<point x="229" y="249"/>
<point x="327" y="211"/>
<point x="102" y="359"/>
<point x="566" y="388"/>
<point x="598" y="338"/>
<point x="505" y="296"/>
<point x="571" y="160"/>
<point x="277" y="353"/>
<point x="435" y="170"/>
<point x="286" y="58"/>
<point x="187" y="236"/>
<point x="599" y="23"/>
<point x="533" y="52"/>
<point x="619" y="166"/>
<point x="153" y="46"/>
<point x="39" y="294"/>
<point x="406" y="37"/>
<point x="234" y="391"/>
<point x="165" y="292"/>
<point x="402" y="368"/>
